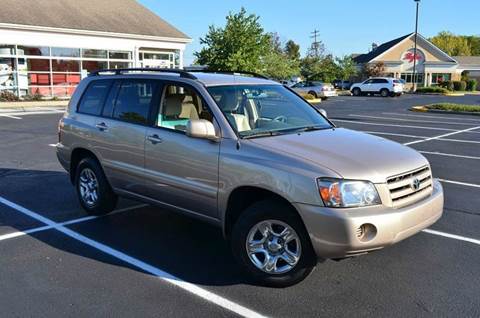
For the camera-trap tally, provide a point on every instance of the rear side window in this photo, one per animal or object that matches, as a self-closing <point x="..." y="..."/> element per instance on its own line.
<point x="380" y="81"/>
<point x="133" y="101"/>
<point x="94" y="97"/>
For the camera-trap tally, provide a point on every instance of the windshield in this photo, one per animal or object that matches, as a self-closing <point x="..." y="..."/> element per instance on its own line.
<point x="266" y="110"/>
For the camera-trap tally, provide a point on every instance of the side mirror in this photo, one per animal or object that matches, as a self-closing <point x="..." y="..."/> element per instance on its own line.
<point x="201" y="128"/>
<point x="323" y="112"/>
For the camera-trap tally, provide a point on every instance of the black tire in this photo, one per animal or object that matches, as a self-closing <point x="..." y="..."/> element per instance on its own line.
<point x="277" y="211"/>
<point x="356" y="91"/>
<point x="313" y="94"/>
<point x="106" y="198"/>
<point x="384" y="92"/>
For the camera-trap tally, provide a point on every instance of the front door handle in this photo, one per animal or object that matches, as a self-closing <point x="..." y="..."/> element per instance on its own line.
<point x="154" y="139"/>
<point x="102" y="126"/>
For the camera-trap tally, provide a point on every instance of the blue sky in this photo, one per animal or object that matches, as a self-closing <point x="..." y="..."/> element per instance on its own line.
<point x="347" y="26"/>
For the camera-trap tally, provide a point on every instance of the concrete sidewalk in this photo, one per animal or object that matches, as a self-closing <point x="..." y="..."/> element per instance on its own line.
<point x="28" y="105"/>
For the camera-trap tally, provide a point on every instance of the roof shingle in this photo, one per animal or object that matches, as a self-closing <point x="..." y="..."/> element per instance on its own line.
<point x="116" y="16"/>
<point x="364" y="58"/>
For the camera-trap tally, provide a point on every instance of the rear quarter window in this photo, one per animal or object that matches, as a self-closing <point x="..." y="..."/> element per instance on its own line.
<point x="94" y="97"/>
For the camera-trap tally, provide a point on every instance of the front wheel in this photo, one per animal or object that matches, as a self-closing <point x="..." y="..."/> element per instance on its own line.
<point x="356" y="91"/>
<point x="93" y="190"/>
<point x="271" y="243"/>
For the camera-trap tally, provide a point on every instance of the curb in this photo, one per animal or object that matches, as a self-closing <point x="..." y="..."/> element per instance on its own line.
<point x="454" y="94"/>
<point x="21" y="105"/>
<point x="424" y="109"/>
<point x="314" y="101"/>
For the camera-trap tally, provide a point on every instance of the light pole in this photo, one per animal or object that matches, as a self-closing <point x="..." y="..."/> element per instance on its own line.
<point x="414" y="77"/>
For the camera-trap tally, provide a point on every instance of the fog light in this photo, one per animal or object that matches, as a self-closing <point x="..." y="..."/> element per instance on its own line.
<point x="366" y="232"/>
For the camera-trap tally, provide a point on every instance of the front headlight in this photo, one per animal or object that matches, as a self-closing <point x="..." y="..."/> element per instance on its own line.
<point x="339" y="193"/>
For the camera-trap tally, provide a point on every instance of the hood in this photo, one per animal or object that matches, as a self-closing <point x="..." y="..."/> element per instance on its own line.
<point x="351" y="154"/>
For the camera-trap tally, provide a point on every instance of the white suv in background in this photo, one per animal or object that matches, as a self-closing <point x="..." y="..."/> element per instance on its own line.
<point x="385" y="86"/>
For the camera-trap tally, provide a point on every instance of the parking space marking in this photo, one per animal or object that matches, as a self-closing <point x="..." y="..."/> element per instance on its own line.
<point x="70" y="222"/>
<point x="473" y="185"/>
<point x="13" y="114"/>
<point x="392" y="125"/>
<point x="444" y="135"/>
<point x="410" y="120"/>
<point x="448" y="154"/>
<point x="427" y="116"/>
<point x="419" y="137"/>
<point x="52" y="145"/>
<point x="393" y="134"/>
<point x="167" y="277"/>
<point x="453" y="236"/>
<point x="10" y="116"/>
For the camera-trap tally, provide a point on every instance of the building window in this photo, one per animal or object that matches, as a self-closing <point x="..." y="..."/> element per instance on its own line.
<point x="65" y="52"/>
<point x="101" y="54"/>
<point x="33" y="50"/>
<point x="440" y="77"/>
<point x="120" y="55"/>
<point x="408" y="77"/>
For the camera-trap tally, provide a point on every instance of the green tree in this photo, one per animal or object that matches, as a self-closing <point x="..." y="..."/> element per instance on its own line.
<point x="239" y="46"/>
<point x="451" y="44"/>
<point x="276" y="63"/>
<point x="319" y="68"/>
<point x="347" y="67"/>
<point x="474" y="42"/>
<point x="292" y="50"/>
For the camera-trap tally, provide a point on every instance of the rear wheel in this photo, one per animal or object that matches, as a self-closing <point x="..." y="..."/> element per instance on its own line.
<point x="271" y="243"/>
<point x="313" y="94"/>
<point x="93" y="190"/>
<point x="384" y="92"/>
<point x="356" y="91"/>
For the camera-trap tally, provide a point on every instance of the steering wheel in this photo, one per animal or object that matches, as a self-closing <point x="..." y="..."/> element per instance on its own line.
<point x="281" y="118"/>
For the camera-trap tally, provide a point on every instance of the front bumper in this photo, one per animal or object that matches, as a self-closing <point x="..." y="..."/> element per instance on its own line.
<point x="333" y="231"/>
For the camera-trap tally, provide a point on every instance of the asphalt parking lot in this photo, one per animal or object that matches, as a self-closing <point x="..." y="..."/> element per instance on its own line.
<point x="144" y="261"/>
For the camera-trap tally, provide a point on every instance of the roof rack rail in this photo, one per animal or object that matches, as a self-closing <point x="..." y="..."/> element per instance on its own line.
<point x="227" y="72"/>
<point x="119" y="71"/>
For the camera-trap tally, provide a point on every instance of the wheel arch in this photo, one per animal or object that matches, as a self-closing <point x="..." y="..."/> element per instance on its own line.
<point x="244" y="196"/>
<point x="77" y="155"/>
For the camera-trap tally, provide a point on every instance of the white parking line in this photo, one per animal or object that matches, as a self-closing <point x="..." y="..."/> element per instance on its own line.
<point x="453" y="236"/>
<point x="444" y="135"/>
<point x="391" y="125"/>
<point x="473" y="185"/>
<point x="13" y="114"/>
<point x="448" y="154"/>
<point x="74" y="221"/>
<point x="433" y="116"/>
<point x="420" y="137"/>
<point x="52" y="145"/>
<point x="10" y="116"/>
<point x="167" y="277"/>
<point x="411" y="120"/>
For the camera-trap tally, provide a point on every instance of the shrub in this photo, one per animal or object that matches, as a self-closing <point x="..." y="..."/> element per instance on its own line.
<point x="434" y="89"/>
<point x="448" y="85"/>
<point x="7" y="96"/>
<point x="463" y="86"/>
<point x="307" y="96"/>
<point x="456" y="85"/>
<point x="34" y="97"/>
<point x="472" y="85"/>
<point x="455" y="107"/>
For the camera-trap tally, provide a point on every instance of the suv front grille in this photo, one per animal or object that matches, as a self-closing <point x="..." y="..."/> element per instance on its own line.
<point x="410" y="187"/>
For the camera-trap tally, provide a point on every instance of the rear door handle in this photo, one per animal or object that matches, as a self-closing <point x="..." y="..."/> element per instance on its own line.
<point x="154" y="139"/>
<point x="102" y="126"/>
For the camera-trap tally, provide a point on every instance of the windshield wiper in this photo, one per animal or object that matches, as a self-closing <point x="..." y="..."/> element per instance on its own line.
<point x="311" y="128"/>
<point x="261" y="134"/>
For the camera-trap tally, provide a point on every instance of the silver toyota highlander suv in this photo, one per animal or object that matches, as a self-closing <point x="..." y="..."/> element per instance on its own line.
<point x="249" y="155"/>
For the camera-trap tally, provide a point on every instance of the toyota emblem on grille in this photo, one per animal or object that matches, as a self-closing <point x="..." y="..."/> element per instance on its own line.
<point x="415" y="184"/>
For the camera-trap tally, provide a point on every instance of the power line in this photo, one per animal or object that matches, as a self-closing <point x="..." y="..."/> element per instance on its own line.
<point x="316" y="43"/>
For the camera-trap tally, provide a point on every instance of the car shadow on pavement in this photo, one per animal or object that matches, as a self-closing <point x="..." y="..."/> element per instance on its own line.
<point x="189" y="249"/>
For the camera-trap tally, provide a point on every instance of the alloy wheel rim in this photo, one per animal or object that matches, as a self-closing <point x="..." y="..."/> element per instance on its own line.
<point x="88" y="187"/>
<point x="273" y="247"/>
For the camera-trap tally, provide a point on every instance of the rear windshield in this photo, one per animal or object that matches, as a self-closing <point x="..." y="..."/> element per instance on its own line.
<point x="263" y="110"/>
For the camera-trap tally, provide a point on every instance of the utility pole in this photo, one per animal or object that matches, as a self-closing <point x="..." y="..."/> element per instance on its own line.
<point x="415" y="49"/>
<point x="315" y="44"/>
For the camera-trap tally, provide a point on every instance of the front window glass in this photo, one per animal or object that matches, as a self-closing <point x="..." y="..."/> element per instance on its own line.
<point x="179" y="105"/>
<point x="266" y="110"/>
